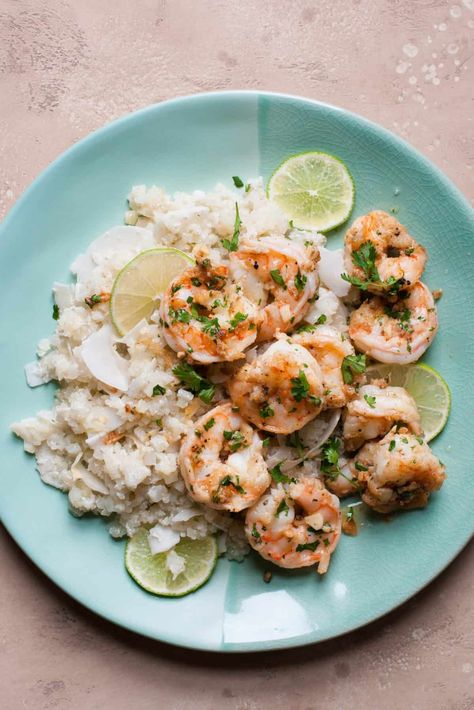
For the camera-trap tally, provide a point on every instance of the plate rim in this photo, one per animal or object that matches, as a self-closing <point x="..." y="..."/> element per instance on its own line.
<point x="90" y="139"/>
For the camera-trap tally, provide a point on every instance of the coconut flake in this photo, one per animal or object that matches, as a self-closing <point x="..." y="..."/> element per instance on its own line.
<point x="35" y="375"/>
<point x="184" y="515"/>
<point x="331" y="266"/>
<point x="102" y="360"/>
<point x="63" y="295"/>
<point x="113" y="240"/>
<point x="161" y="539"/>
<point x="175" y="563"/>
<point x="80" y="473"/>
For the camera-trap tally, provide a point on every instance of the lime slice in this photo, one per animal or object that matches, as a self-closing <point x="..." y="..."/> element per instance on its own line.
<point x="426" y="386"/>
<point x="140" y="282"/>
<point x="151" y="573"/>
<point x="315" y="190"/>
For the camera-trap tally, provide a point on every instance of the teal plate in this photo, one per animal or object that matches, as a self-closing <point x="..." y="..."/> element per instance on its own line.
<point x="190" y="143"/>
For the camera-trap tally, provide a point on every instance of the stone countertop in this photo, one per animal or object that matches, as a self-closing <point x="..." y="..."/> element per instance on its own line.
<point x="66" y="68"/>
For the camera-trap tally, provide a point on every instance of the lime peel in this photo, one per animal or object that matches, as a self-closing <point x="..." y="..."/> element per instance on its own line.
<point x="427" y="387"/>
<point x="314" y="189"/>
<point x="140" y="282"/>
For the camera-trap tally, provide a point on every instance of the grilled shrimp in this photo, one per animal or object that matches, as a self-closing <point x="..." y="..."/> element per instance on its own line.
<point x="221" y="461"/>
<point x="374" y="411"/>
<point x="329" y="349"/>
<point x="295" y="524"/>
<point x="401" y="472"/>
<point x="395" y="257"/>
<point x="206" y="316"/>
<point x="397" y="332"/>
<point x="280" y="277"/>
<point x="281" y="390"/>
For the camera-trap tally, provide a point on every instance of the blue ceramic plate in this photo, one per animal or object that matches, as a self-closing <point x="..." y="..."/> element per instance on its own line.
<point x="190" y="143"/>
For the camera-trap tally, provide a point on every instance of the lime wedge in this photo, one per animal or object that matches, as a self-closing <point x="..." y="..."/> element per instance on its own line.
<point x="314" y="190"/>
<point x="426" y="386"/>
<point x="151" y="573"/>
<point x="140" y="282"/>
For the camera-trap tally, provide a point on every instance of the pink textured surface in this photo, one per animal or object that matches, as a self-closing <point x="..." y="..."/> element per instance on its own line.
<point x="66" y="68"/>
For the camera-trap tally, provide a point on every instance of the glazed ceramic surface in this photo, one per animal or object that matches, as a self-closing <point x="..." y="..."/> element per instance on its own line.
<point x="192" y="143"/>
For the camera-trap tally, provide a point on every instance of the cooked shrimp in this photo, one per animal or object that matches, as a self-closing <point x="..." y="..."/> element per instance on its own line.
<point x="397" y="332"/>
<point x="374" y="411"/>
<point x="221" y="461"/>
<point x="206" y="316"/>
<point x="297" y="524"/>
<point x="281" y="390"/>
<point x="280" y="276"/>
<point x="329" y="348"/>
<point x="380" y="252"/>
<point x="401" y="473"/>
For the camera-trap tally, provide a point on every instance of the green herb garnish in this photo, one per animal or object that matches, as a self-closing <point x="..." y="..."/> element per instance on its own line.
<point x="266" y="411"/>
<point x="352" y="365"/>
<point x="209" y="424"/>
<point x="158" y="389"/>
<point x="278" y="278"/>
<point x="371" y="401"/>
<point x="237" y="181"/>
<point x="238" y="318"/>
<point x="280" y="477"/>
<point x="299" y="387"/>
<point x="233" y="244"/>
<point x="55" y="312"/>
<point x="195" y="382"/>
<point x="300" y="281"/>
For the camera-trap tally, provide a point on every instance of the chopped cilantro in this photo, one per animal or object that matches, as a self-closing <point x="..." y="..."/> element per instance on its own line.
<point x="308" y="546"/>
<point x="266" y="442"/>
<point x="278" y="278"/>
<point x="195" y="382"/>
<point x="176" y="287"/>
<point x="352" y="365"/>
<point x="360" y="467"/>
<point x="180" y="315"/>
<point x="282" y="508"/>
<point x="299" y="387"/>
<point x="55" y="311"/>
<point x="300" y="281"/>
<point x="392" y="445"/>
<point x="237" y="181"/>
<point x="158" y="389"/>
<point x="195" y="281"/>
<point x="209" y="424"/>
<point x="371" y="401"/>
<point x="236" y="439"/>
<point x="238" y="318"/>
<point x="233" y="244"/>
<point x="255" y="534"/>
<point x="210" y="325"/>
<point x="278" y="476"/>
<point x="266" y="411"/>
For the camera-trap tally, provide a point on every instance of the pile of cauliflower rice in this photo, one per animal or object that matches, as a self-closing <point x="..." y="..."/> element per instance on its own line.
<point x="114" y="449"/>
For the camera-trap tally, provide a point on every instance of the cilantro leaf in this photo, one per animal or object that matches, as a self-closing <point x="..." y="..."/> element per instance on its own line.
<point x="282" y="508"/>
<point x="238" y="318"/>
<point x="266" y="411"/>
<point x="237" y="181"/>
<point x="158" y="389"/>
<point x="233" y="244"/>
<point x="308" y="546"/>
<point x="352" y="365"/>
<point x="299" y="387"/>
<point x="300" y="281"/>
<point x="278" y="278"/>
<point x="55" y="312"/>
<point x="195" y="382"/>
<point x="278" y="476"/>
<point x="371" y="401"/>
